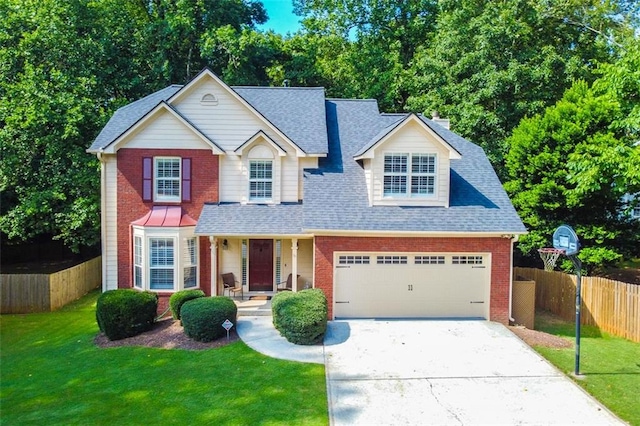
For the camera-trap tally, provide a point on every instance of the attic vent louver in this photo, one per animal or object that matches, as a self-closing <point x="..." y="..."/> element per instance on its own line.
<point x="209" y="99"/>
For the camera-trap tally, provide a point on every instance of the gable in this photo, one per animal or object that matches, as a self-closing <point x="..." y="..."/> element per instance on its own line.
<point x="229" y="120"/>
<point x="165" y="131"/>
<point x="420" y="131"/>
<point x="163" y="127"/>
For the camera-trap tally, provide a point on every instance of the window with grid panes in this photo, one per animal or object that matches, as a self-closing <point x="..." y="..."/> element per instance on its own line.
<point x="260" y="180"/>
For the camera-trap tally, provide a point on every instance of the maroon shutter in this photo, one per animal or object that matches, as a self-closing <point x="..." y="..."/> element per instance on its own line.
<point x="186" y="179"/>
<point x="147" y="179"/>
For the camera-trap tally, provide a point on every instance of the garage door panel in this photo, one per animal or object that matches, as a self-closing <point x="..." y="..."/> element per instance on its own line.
<point x="412" y="290"/>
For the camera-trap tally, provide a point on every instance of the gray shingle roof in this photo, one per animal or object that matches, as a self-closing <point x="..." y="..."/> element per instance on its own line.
<point x="128" y="115"/>
<point x="336" y="195"/>
<point x="297" y="111"/>
<point x="250" y="219"/>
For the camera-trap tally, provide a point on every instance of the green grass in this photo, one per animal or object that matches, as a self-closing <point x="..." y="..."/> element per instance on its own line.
<point x="610" y="365"/>
<point x="52" y="373"/>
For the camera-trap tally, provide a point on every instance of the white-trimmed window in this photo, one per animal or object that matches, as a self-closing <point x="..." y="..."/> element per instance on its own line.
<point x="167" y="179"/>
<point x="165" y="259"/>
<point x="137" y="262"/>
<point x="190" y="270"/>
<point x="260" y="180"/>
<point x="409" y="175"/>
<point x="161" y="263"/>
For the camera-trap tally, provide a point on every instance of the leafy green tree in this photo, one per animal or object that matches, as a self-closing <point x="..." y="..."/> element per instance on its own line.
<point x="494" y="62"/>
<point x="65" y="66"/>
<point x="575" y="162"/>
<point x="374" y="44"/>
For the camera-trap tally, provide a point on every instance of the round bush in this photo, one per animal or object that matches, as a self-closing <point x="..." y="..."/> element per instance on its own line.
<point x="202" y="318"/>
<point x="178" y="298"/>
<point x="301" y="317"/>
<point x="126" y="312"/>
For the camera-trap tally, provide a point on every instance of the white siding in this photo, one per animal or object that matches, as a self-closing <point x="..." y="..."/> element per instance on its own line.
<point x="304" y="163"/>
<point x="305" y="261"/>
<point x="229" y="124"/>
<point x="166" y="131"/>
<point x="412" y="139"/>
<point x="110" y="221"/>
<point x="230" y="260"/>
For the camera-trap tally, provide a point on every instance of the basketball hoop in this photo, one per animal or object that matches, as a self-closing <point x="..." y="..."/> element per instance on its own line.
<point x="549" y="257"/>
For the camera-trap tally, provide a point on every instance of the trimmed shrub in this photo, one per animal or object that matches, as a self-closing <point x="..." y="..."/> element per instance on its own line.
<point x="178" y="298"/>
<point x="202" y="318"/>
<point x="126" y="312"/>
<point x="301" y="317"/>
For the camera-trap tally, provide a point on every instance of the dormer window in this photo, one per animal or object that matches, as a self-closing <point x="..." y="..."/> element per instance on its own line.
<point x="260" y="180"/>
<point x="409" y="175"/>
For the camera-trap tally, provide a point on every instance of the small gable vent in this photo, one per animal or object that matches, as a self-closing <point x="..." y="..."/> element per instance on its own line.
<point x="209" y="99"/>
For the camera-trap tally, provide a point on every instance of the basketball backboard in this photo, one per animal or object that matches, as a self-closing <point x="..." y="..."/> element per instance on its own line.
<point x="565" y="238"/>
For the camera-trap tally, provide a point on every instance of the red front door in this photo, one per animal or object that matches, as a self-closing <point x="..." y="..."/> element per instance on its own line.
<point x="260" y="265"/>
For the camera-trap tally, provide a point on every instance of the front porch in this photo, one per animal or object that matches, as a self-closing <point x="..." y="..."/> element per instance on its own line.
<point x="261" y="266"/>
<point x="253" y="307"/>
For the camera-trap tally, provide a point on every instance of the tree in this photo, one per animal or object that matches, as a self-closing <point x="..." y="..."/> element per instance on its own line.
<point x="494" y="62"/>
<point x="575" y="162"/>
<point x="375" y="42"/>
<point x="65" y="66"/>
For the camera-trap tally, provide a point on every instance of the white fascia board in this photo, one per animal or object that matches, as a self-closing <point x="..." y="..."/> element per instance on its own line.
<point x="407" y="234"/>
<point x="260" y="134"/>
<point x="208" y="73"/>
<point x="150" y="116"/>
<point x="453" y="153"/>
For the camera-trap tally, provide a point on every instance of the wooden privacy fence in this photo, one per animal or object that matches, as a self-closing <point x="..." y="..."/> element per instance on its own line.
<point x="24" y="293"/>
<point x="612" y="306"/>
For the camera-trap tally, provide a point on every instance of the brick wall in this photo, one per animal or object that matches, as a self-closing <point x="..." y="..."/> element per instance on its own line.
<point x="500" y="261"/>
<point x="204" y="188"/>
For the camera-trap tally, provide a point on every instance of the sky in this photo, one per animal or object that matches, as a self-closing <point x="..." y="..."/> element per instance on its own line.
<point x="281" y="17"/>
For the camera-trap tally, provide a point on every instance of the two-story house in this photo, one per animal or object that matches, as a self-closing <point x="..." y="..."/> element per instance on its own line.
<point x="391" y="215"/>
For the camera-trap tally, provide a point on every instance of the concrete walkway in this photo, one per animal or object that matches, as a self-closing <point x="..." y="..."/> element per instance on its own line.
<point x="258" y="333"/>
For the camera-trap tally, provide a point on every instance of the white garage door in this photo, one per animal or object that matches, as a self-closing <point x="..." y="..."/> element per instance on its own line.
<point x="413" y="285"/>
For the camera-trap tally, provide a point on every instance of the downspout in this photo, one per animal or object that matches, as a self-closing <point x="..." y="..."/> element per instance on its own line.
<point x="513" y="239"/>
<point x="103" y="221"/>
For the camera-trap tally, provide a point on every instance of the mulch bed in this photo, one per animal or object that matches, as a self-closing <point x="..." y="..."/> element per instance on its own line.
<point x="540" y="338"/>
<point x="165" y="334"/>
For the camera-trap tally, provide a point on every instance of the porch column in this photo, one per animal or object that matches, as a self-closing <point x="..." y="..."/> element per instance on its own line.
<point x="294" y="264"/>
<point x="214" y="265"/>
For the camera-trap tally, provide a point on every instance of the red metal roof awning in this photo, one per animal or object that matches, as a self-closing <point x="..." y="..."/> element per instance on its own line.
<point x="165" y="216"/>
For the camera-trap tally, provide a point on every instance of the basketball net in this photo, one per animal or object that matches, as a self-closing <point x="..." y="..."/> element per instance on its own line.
<point x="549" y="257"/>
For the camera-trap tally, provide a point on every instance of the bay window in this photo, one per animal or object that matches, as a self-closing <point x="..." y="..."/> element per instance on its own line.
<point x="165" y="259"/>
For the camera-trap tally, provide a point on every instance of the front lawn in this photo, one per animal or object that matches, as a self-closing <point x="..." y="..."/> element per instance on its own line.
<point x="52" y="373"/>
<point x="610" y="365"/>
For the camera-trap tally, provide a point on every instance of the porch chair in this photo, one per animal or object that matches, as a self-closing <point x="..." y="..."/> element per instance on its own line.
<point x="286" y="285"/>
<point x="230" y="284"/>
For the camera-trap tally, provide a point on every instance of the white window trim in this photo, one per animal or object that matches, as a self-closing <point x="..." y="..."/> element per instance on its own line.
<point x="156" y="179"/>
<point x="409" y="174"/>
<point x="252" y="180"/>
<point x="180" y="236"/>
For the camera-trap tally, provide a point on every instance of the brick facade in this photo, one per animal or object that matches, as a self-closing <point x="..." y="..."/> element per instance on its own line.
<point x="204" y="188"/>
<point x="500" y="249"/>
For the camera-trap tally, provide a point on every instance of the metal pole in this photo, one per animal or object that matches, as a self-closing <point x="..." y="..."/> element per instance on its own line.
<point x="578" y="266"/>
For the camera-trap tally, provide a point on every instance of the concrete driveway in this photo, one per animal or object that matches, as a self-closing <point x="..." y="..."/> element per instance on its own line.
<point x="446" y="373"/>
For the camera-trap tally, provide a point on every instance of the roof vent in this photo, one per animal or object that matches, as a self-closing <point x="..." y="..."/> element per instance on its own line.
<point x="209" y="99"/>
<point x="286" y="83"/>
<point x="444" y="122"/>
